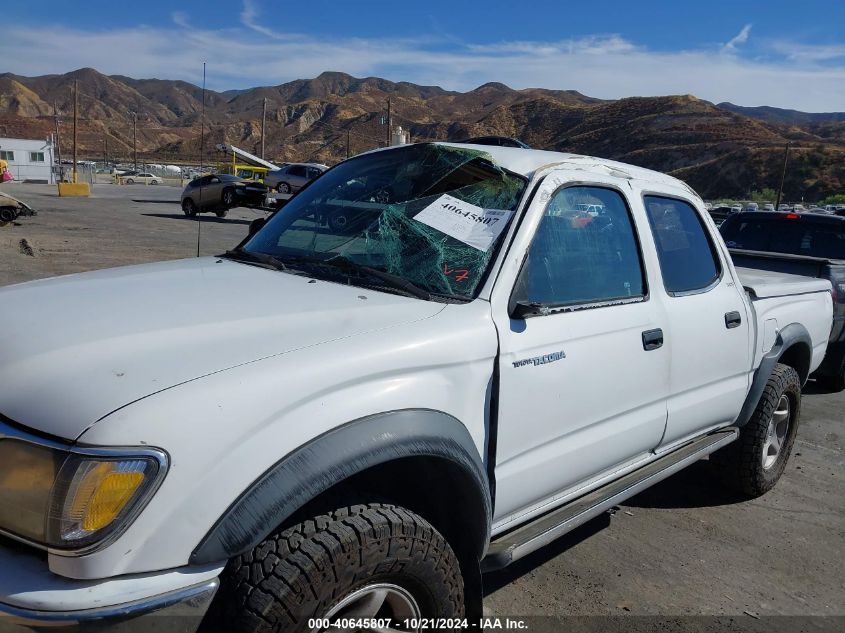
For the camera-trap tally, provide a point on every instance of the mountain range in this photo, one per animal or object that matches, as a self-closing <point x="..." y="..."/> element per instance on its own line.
<point x="721" y="150"/>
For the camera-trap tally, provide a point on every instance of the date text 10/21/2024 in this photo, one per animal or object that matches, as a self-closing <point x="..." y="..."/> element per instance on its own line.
<point x="418" y="624"/>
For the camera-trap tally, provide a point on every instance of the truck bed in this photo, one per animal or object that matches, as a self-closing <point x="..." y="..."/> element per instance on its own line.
<point x="803" y="265"/>
<point x="762" y="284"/>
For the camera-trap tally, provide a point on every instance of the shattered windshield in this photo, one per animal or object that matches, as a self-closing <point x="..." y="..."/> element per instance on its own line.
<point x="429" y="216"/>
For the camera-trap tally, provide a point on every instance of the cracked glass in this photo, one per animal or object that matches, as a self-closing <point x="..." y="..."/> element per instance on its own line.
<point x="376" y="211"/>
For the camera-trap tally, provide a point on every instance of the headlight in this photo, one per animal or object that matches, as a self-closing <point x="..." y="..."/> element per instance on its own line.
<point x="73" y="498"/>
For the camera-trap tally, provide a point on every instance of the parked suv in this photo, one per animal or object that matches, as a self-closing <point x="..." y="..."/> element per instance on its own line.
<point x="326" y="431"/>
<point x="292" y="177"/>
<point x="218" y="193"/>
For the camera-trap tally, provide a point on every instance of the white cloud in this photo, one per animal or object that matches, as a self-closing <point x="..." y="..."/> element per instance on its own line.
<point x="782" y="74"/>
<point x="249" y="18"/>
<point x="739" y="38"/>
<point x="810" y="53"/>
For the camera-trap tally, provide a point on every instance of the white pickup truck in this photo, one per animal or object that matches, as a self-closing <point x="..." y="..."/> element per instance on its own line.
<point x="431" y="362"/>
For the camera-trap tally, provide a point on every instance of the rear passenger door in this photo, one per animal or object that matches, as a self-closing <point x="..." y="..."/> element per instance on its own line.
<point x="707" y="330"/>
<point x="311" y="173"/>
<point x="580" y="394"/>
<point x="296" y="176"/>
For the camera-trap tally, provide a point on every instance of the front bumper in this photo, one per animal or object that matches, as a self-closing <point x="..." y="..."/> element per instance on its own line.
<point x="177" y="612"/>
<point x="33" y="598"/>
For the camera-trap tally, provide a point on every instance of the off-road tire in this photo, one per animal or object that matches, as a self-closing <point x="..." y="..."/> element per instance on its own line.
<point x="8" y="214"/>
<point x="304" y="570"/>
<point x="740" y="464"/>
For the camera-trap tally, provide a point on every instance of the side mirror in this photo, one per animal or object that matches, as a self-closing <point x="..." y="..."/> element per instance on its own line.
<point x="256" y="225"/>
<point x="523" y="310"/>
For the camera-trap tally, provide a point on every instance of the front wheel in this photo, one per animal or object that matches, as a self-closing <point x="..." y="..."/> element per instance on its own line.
<point x="283" y="187"/>
<point x="188" y="207"/>
<point x="373" y="561"/>
<point x="753" y="464"/>
<point x="129" y="181"/>
<point x="228" y="197"/>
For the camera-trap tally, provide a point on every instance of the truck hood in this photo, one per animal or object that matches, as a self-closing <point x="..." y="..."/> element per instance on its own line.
<point x="73" y="349"/>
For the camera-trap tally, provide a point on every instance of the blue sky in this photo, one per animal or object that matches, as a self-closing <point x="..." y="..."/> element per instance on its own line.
<point x="785" y="54"/>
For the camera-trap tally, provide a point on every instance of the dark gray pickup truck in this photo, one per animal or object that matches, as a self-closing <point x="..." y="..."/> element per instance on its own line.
<point x="804" y="244"/>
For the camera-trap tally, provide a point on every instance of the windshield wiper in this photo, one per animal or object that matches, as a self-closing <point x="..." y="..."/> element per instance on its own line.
<point x="393" y="281"/>
<point x="347" y="265"/>
<point x="258" y="259"/>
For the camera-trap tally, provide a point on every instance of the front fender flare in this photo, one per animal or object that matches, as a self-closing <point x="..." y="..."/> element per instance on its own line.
<point x="333" y="457"/>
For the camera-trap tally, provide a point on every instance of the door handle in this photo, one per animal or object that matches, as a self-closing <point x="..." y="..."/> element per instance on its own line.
<point x="652" y="339"/>
<point x="733" y="319"/>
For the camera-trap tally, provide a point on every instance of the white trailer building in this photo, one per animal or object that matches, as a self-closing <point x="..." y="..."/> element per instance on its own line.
<point x="28" y="159"/>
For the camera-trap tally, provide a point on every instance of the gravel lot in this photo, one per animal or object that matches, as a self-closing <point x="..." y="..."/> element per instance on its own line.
<point x="683" y="548"/>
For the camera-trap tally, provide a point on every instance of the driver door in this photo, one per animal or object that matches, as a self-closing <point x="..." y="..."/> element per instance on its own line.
<point x="581" y="394"/>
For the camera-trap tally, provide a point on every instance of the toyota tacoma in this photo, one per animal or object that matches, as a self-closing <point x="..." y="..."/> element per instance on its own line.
<point x="325" y="429"/>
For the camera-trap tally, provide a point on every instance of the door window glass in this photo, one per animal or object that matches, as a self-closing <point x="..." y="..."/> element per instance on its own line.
<point x="688" y="259"/>
<point x="585" y="250"/>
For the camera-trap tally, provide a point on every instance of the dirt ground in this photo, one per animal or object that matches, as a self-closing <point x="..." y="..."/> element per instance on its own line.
<point x="118" y="225"/>
<point x="683" y="548"/>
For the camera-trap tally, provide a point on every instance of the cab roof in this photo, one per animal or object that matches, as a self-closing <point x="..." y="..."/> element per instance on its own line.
<point x="528" y="162"/>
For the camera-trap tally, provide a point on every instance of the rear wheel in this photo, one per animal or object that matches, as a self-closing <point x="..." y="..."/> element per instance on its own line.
<point x="8" y="214"/>
<point x="228" y="197"/>
<point x="129" y="181"/>
<point x="753" y="464"/>
<point x="188" y="207"/>
<point x="365" y="561"/>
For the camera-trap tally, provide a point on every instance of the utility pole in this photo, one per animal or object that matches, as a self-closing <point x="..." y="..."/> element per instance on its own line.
<point x="75" y="109"/>
<point x="135" y="140"/>
<point x="59" y="144"/>
<point x="202" y="154"/>
<point x="782" y="176"/>
<point x="105" y="152"/>
<point x="347" y="143"/>
<point x="388" y="122"/>
<point x="263" y="125"/>
<point x="202" y="125"/>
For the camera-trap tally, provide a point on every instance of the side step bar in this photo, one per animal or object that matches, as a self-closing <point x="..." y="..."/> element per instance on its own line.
<point x="530" y="537"/>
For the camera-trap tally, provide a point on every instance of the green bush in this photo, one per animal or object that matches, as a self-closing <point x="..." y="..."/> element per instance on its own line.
<point x="767" y="195"/>
<point x="839" y="198"/>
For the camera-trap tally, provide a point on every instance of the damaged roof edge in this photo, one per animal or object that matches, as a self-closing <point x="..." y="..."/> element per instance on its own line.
<point x="529" y="162"/>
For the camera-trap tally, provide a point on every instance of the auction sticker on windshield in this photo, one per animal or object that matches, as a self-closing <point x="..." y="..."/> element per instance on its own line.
<point x="464" y="221"/>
